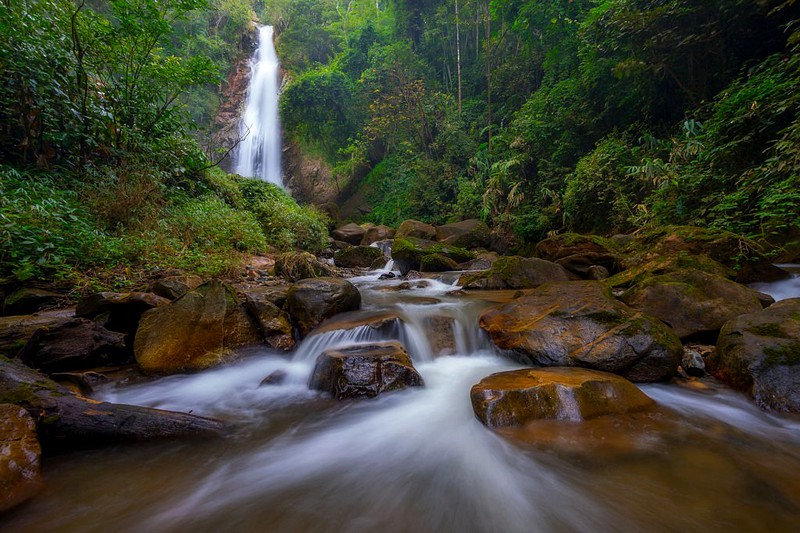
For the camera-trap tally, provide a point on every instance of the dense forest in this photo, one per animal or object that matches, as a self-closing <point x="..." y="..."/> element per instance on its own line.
<point x="538" y="117"/>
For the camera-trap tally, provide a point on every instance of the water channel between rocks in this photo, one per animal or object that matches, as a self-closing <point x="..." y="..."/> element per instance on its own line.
<point x="418" y="460"/>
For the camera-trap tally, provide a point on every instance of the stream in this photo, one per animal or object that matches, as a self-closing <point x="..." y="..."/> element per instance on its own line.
<point x="418" y="460"/>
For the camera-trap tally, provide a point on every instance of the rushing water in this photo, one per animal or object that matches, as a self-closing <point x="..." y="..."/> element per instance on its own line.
<point x="259" y="154"/>
<point x="418" y="460"/>
<point x="782" y="289"/>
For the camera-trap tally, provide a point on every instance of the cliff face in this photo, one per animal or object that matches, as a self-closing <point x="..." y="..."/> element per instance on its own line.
<point x="309" y="178"/>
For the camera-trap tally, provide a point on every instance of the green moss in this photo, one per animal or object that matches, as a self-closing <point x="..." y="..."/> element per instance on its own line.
<point x="607" y="318"/>
<point x="782" y="355"/>
<point x="769" y="330"/>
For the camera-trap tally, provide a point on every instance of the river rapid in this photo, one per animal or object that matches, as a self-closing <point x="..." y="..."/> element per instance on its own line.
<point x="418" y="460"/>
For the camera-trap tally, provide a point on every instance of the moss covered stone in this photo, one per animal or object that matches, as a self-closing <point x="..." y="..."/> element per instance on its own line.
<point x="514" y="273"/>
<point x="408" y="253"/>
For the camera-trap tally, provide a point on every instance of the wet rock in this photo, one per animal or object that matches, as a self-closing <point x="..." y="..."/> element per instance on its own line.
<point x="514" y="273"/>
<point x="388" y="275"/>
<point x="275" y="324"/>
<point x="692" y="363"/>
<point x="357" y="257"/>
<point x="759" y="353"/>
<point x="580" y="323"/>
<point x="28" y="300"/>
<point x="380" y="263"/>
<point x="349" y="233"/>
<point x="296" y="266"/>
<point x="276" y="378"/>
<point x="63" y="418"/>
<point x="692" y="302"/>
<point x="195" y="332"/>
<point x="469" y="234"/>
<point x="74" y="345"/>
<point x="20" y="457"/>
<point x="437" y="263"/>
<point x="15" y="331"/>
<point x="408" y="253"/>
<point x="311" y="301"/>
<point x="578" y="253"/>
<point x="364" y="371"/>
<point x="520" y="396"/>
<point x="174" y="287"/>
<point x="377" y="233"/>
<point x="120" y="312"/>
<point x="440" y="331"/>
<point x="416" y="229"/>
<point x="764" y="299"/>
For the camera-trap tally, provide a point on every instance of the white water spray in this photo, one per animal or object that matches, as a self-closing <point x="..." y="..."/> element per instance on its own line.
<point x="259" y="154"/>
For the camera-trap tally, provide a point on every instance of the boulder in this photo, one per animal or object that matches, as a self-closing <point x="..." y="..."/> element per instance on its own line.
<point x="349" y="233"/>
<point x="311" y="301"/>
<point x="408" y="253"/>
<point x="173" y="287"/>
<point x="578" y="253"/>
<point x="15" y="331"/>
<point x="416" y="229"/>
<point x="469" y="234"/>
<point x="440" y="332"/>
<point x="692" y="302"/>
<point x="377" y="233"/>
<point x="296" y="266"/>
<point x="520" y="396"/>
<point x="437" y="263"/>
<point x="364" y="371"/>
<point x="484" y="261"/>
<point x="64" y="418"/>
<point x="759" y="353"/>
<point x="514" y="273"/>
<point x="20" y="457"/>
<point x="579" y="323"/>
<point x="119" y="311"/>
<point x="29" y="300"/>
<point x="195" y="332"/>
<point x="637" y="272"/>
<point x="275" y="324"/>
<point x="76" y="344"/>
<point x="357" y="257"/>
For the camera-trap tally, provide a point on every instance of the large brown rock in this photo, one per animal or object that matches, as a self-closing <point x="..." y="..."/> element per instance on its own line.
<point x="296" y="266"/>
<point x="74" y="345"/>
<point x="416" y="229"/>
<point x="692" y="302"/>
<point x="28" y="300"/>
<point x="15" y="331"/>
<point x="66" y="418"/>
<point x="195" y="332"/>
<point x="520" y="396"/>
<point x="759" y="353"/>
<point x="364" y="371"/>
<point x="377" y="233"/>
<point x="275" y="324"/>
<point x="579" y="323"/>
<point x="467" y="234"/>
<point x="514" y="273"/>
<point x="349" y="233"/>
<point x="578" y="253"/>
<point x="20" y="457"/>
<point x="311" y="301"/>
<point x="357" y="257"/>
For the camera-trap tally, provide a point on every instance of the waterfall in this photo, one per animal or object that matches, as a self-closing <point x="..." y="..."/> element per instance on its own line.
<point x="259" y="154"/>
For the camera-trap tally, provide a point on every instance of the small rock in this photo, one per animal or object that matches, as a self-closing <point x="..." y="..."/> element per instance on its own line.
<point x="276" y="378"/>
<point x="692" y="363"/>
<point x="20" y="457"/>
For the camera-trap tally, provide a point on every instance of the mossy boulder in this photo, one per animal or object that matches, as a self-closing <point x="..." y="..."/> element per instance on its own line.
<point x="580" y="323"/>
<point x="759" y="353"/>
<point x="519" y="396"/>
<point x="197" y="331"/>
<point x="469" y="234"/>
<point x="637" y="272"/>
<point x="408" y="253"/>
<point x="20" y="457"/>
<point x="514" y="273"/>
<point x="364" y="371"/>
<point x="311" y="301"/>
<point x="692" y="302"/>
<point x="357" y="257"/>
<point x="296" y="266"/>
<point x="437" y="263"/>
<point x="578" y="253"/>
<point x="416" y="229"/>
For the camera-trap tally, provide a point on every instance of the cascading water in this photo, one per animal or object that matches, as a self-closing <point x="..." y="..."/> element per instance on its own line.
<point x="418" y="460"/>
<point x="259" y="154"/>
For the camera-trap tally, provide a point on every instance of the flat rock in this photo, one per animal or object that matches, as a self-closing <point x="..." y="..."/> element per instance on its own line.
<point x="520" y="396"/>
<point x="579" y="323"/>
<point x="20" y="457"/>
<point x="364" y="371"/>
<point x="29" y="300"/>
